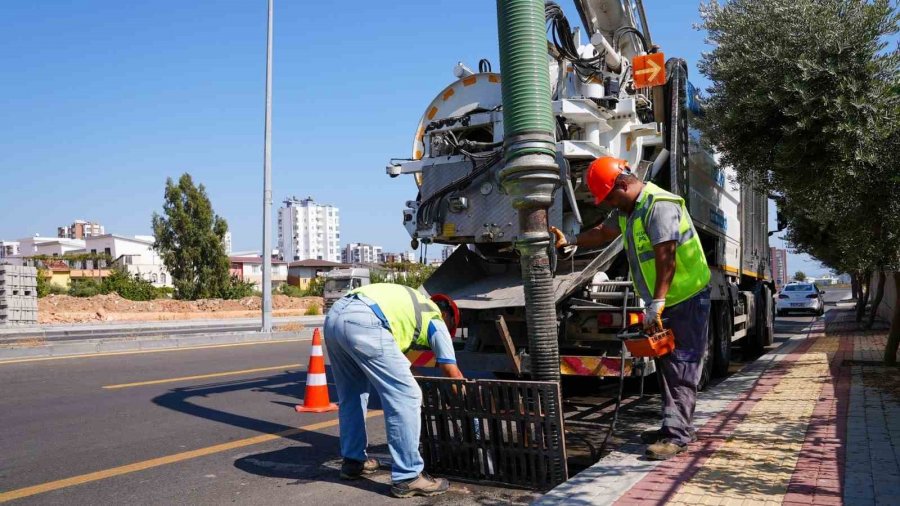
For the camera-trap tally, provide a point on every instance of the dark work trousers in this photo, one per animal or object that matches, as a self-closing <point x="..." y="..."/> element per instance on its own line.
<point x="679" y="371"/>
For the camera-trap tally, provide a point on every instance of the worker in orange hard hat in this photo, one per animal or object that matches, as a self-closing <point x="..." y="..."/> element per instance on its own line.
<point x="669" y="271"/>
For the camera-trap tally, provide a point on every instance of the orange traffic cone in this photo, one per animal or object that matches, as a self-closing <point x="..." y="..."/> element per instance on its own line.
<point x="316" y="398"/>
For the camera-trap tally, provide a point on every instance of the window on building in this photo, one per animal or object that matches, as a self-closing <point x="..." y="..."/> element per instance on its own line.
<point x="155" y="278"/>
<point x="162" y="277"/>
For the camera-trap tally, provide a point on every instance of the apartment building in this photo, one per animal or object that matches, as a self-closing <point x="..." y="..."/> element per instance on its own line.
<point x="307" y="230"/>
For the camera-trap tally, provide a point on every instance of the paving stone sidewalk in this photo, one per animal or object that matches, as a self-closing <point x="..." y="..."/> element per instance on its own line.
<point x="816" y="421"/>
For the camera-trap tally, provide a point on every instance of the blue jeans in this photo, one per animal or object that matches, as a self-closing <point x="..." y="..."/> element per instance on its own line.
<point x="364" y="354"/>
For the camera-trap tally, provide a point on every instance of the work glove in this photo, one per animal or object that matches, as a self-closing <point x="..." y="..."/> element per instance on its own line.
<point x="653" y="313"/>
<point x="564" y="250"/>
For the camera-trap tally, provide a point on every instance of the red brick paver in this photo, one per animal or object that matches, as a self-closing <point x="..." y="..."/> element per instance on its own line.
<point x="663" y="483"/>
<point x="819" y="472"/>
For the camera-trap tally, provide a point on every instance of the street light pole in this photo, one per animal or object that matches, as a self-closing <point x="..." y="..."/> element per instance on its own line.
<point x="267" y="189"/>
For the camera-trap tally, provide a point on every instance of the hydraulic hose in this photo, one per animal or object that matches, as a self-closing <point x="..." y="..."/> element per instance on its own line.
<point x="527" y="110"/>
<point x="531" y="174"/>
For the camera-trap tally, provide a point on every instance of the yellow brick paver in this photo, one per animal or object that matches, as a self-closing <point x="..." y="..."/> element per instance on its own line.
<point x="755" y="464"/>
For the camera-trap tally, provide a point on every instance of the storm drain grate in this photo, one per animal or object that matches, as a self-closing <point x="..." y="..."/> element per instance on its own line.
<point x="508" y="432"/>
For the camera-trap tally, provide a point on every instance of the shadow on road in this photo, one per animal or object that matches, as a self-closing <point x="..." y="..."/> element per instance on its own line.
<point x="315" y="459"/>
<point x="304" y="464"/>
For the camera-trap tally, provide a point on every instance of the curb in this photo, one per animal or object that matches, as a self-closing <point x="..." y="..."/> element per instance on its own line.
<point x="22" y="335"/>
<point x="89" y="347"/>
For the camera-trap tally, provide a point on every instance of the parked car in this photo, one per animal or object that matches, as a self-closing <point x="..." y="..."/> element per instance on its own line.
<point x="800" y="297"/>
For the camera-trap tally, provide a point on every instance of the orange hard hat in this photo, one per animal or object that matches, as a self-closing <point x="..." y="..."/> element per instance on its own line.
<point x="601" y="176"/>
<point x="448" y="305"/>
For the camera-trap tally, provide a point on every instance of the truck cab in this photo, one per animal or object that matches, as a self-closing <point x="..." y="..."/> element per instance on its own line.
<point x="340" y="281"/>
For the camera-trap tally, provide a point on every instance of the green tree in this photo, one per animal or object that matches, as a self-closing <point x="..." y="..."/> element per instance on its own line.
<point x="316" y="287"/>
<point x="87" y="287"/>
<point x="131" y="287"/>
<point x="403" y="273"/>
<point x="290" y="290"/>
<point x="189" y="238"/>
<point x="804" y="105"/>
<point x="800" y="276"/>
<point x="236" y="289"/>
<point x="43" y="283"/>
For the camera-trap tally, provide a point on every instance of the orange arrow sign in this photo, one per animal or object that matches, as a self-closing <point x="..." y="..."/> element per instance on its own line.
<point x="649" y="70"/>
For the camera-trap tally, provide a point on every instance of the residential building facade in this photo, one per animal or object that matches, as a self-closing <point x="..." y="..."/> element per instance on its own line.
<point x="778" y="259"/>
<point x="300" y="273"/>
<point x="249" y="268"/>
<point x="307" y="230"/>
<point x="80" y="229"/>
<point x="135" y="254"/>
<point x="226" y="242"/>
<point x="49" y="246"/>
<point x="447" y="251"/>
<point x="358" y="253"/>
<point x="403" y="256"/>
<point x="8" y="249"/>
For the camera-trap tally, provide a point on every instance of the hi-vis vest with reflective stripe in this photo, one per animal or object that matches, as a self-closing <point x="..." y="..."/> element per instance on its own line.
<point x="407" y="310"/>
<point x="691" y="271"/>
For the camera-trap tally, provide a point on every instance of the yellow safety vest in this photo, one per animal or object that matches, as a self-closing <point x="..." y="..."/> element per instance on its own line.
<point x="691" y="270"/>
<point x="407" y="310"/>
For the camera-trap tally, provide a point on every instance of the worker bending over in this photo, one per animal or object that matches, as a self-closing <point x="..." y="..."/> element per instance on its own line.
<point x="670" y="273"/>
<point x="367" y="333"/>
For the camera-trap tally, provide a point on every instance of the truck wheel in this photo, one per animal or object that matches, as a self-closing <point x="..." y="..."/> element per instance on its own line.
<point x="706" y="371"/>
<point x="768" y="317"/>
<point x="721" y="319"/>
<point x="763" y="328"/>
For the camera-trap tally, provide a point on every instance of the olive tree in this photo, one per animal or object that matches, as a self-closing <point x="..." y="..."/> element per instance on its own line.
<point x="804" y="103"/>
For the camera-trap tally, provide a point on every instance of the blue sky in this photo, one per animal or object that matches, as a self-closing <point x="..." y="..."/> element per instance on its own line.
<point x="103" y="100"/>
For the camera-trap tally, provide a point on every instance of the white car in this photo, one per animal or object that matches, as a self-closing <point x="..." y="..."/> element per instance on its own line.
<point x="805" y="297"/>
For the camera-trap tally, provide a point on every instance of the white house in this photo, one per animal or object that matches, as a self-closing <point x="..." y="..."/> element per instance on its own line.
<point x="8" y="249"/>
<point x="135" y="254"/>
<point x="51" y="246"/>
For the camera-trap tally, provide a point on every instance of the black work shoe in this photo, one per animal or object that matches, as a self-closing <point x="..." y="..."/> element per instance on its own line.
<point x="421" y="485"/>
<point x="354" y="469"/>
<point x="648" y="437"/>
<point x="664" y="449"/>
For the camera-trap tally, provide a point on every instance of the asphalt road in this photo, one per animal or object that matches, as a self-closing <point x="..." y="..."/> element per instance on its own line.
<point x="204" y="440"/>
<point x="92" y="430"/>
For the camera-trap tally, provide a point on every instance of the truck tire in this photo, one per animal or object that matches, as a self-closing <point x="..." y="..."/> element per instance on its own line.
<point x="720" y="318"/>
<point x="706" y="371"/>
<point x="768" y="315"/>
<point x="764" y="326"/>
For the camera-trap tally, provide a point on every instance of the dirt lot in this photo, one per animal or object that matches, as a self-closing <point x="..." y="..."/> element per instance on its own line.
<point x="66" y="309"/>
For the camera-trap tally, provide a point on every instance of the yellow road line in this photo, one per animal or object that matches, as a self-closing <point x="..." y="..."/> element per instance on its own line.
<point x="137" y="352"/>
<point x="162" y="461"/>
<point x="199" y="376"/>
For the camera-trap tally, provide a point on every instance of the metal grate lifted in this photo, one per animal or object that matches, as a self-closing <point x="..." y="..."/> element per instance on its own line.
<point x="505" y="432"/>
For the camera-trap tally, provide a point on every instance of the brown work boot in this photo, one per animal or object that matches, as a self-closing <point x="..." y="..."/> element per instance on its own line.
<point x="420" y="485"/>
<point x="354" y="469"/>
<point x="648" y="437"/>
<point x="664" y="449"/>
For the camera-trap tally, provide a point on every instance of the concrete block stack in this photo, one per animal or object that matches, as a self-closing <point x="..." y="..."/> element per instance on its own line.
<point x="18" y="295"/>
